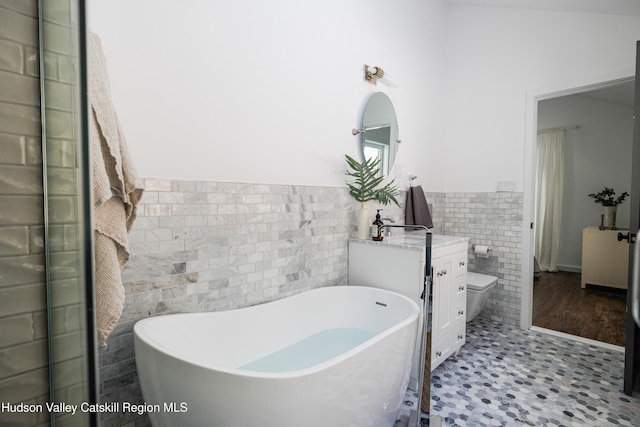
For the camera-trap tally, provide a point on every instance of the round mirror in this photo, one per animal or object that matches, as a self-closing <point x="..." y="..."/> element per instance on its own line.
<point x="380" y="137"/>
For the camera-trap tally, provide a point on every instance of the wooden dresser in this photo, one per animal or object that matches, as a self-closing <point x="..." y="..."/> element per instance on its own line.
<point x="605" y="260"/>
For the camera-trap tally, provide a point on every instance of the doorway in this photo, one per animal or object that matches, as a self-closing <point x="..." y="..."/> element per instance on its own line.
<point x="597" y="123"/>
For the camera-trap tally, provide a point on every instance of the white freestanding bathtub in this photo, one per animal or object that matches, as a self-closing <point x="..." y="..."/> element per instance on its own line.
<point x="335" y="356"/>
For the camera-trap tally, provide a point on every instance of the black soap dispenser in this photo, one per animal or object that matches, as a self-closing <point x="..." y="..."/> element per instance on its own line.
<point x="376" y="233"/>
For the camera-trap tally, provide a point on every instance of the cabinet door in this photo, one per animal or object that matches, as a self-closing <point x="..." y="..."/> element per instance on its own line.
<point x="440" y="350"/>
<point x="442" y="304"/>
<point x="443" y="312"/>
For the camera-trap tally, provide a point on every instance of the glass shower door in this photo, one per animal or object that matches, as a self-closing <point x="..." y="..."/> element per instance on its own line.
<point x="67" y="221"/>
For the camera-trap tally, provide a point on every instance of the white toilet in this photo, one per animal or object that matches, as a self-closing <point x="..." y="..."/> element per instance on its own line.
<point x="478" y="289"/>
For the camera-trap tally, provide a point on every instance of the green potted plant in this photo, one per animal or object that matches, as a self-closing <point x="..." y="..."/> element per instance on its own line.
<point x="364" y="188"/>
<point x="607" y="198"/>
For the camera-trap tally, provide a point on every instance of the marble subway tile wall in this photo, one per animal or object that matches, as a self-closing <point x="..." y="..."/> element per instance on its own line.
<point x="208" y="246"/>
<point x="493" y="219"/>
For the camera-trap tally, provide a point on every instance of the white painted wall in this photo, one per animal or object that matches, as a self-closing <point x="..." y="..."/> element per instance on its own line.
<point x="495" y="57"/>
<point x="597" y="155"/>
<point x="268" y="92"/>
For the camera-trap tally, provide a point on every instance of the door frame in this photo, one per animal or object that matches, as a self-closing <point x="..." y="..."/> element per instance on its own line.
<point x="632" y="340"/>
<point x="533" y="97"/>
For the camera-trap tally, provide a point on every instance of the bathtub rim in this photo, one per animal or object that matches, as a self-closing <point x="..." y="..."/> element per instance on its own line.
<point x="141" y="335"/>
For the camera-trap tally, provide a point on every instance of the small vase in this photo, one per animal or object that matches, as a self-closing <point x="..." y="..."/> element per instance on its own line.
<point x="363" y="222"/>
<point x="610" y="216"/>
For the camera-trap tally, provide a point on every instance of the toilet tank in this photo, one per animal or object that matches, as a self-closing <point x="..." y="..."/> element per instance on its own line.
<point x="480" y="282"/>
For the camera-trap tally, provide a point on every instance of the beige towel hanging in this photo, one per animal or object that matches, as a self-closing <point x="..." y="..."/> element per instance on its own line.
<point x="116" y="193"/>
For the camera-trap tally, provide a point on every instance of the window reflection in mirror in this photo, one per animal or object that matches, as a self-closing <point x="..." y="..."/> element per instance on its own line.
<point x="377" y="146"/>
<point x="380" y="139"/>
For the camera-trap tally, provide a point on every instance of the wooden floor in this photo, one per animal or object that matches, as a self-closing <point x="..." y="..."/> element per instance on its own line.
<point x="597" y="313"/>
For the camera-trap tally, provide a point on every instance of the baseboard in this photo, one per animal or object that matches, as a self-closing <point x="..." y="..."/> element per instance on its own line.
<point x="570" y="268"/>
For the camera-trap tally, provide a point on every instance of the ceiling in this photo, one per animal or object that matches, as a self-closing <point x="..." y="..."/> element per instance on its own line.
<point x="609" y="7"/>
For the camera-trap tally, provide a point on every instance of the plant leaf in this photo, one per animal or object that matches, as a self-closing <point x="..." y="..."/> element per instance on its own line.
<point x="364" y="186"/>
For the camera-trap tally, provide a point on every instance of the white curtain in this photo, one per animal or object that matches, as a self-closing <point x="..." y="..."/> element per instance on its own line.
<point x="549" y="186"/>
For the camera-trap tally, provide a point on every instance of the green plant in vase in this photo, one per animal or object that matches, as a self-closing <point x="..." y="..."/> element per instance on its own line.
<point x="607" y="198"/>
<point x="364" y="188"/>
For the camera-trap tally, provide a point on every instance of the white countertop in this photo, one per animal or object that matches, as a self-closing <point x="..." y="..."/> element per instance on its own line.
<point x="414" y="241"/>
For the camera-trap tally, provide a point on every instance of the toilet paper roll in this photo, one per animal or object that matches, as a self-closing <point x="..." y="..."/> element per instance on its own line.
<point x="482" y="251"/>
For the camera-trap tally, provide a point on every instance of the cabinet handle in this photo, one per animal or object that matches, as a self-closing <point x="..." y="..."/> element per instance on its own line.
<point x="461" y="288"/>
<point x="462" y="263"/>
<point x="460" y="312"/>
<point x="438" y="353"/>
<point x="444" y="272"/>
<point x="460" y="336"/>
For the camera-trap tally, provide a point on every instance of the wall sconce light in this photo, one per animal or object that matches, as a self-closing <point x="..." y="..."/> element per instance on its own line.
<point x="373" y="74"/>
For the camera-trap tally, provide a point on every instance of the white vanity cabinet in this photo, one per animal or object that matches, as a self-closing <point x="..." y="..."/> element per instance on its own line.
<point x="448" y="331"/>
<point x="397" y="264"/>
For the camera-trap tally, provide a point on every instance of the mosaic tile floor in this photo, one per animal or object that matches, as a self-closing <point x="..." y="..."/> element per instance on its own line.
<point x="504" y="376"/>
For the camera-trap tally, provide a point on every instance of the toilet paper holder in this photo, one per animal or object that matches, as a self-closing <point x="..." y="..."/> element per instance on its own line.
<point x="482" y="251"/>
